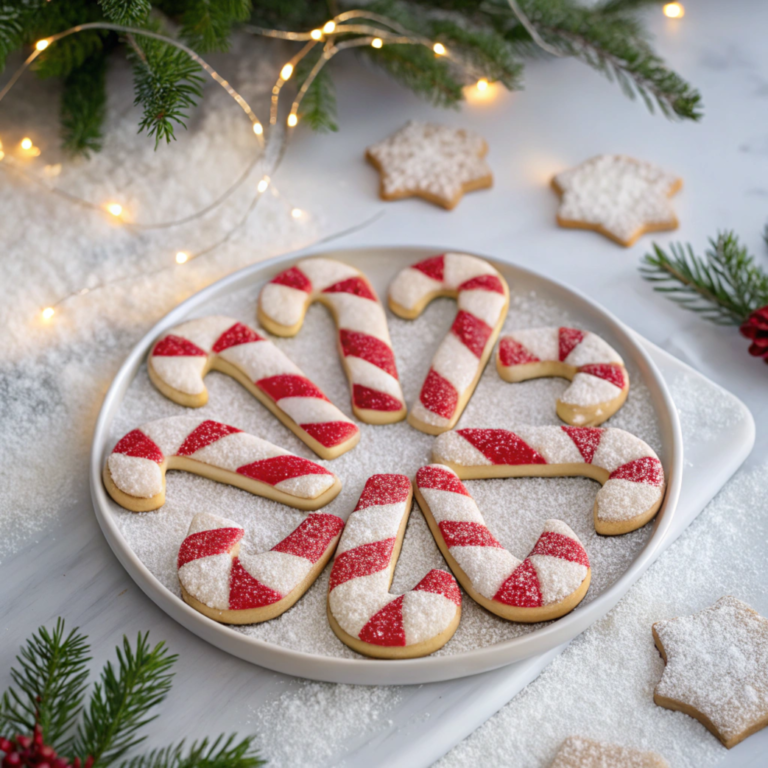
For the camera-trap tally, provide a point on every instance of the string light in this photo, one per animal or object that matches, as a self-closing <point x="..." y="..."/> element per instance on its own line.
<point x="48" y="313"/>
<point x="329" y="27"/>
<point x="377" y="42"/>
<point x="286" y="72"/>
<point x="115" y="208"/>
<point x="674" y="10"/>
<point x="26" y="143"/>
<point x="297" y="213"/>
<point x="263" y="184"/>
<point x="258" y="129"/>
<point x="292" y="120"/>
<point x="439" y="49"/>
<point x="316" y="34"/>
<point x="482" y="85"/>
<point x="182" y="258"/>
<point x="41" y="45"/>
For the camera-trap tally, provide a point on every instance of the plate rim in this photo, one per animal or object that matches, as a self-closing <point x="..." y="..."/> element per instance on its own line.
<point x="364" y="671"/>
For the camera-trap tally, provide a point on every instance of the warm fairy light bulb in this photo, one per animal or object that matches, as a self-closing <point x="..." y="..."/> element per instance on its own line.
<point x="674" y="10"/>
<point x="292" y="120"/>
<point x="329" y="26"/>
<point x="377" y="42"/>
<point x="297" y="213"/>
<point x="258" y="129"/>
<point x="41" y="45"/>
<point x="26" y="143"/>
<point x="482" y="85"/>
<point x="316" y="34"/>
<point x="182" y="258"/>
<point x="439" y="49"/>
<point x="115" y="209"/>
<point x="263" y="184"/>
<point x="286" y="71"/>
<point x="48" y="313"/>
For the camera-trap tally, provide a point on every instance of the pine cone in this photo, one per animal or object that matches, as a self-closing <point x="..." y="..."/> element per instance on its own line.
<point x="755" y="327"/>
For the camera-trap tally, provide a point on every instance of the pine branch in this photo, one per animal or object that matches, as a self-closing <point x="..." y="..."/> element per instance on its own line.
<point x="206" y="24"/>
<point x="83" y="107"/>
<point x="121" y="702"/>
<point x="222" y="753"/>
<point x="318" y="107"/>
<point x="724" y="286"/>
<point x="49" y="684"/>
<point x="166" y="83"/>
<point x="127" y="12"/>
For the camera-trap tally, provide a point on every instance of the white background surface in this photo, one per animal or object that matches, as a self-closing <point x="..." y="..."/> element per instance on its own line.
<point x="60" y="564"/>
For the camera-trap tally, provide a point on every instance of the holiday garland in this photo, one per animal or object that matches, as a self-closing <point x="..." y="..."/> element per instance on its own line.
<point x="725" y="286"/>
<point x="489" y="40"/>
<point x="45" y="707"/>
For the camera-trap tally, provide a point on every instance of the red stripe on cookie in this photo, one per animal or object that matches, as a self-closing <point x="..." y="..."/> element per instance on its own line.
<point x="137" y="444"/>
<point x="512" y="352"/>
<point x="208" y="432"/>
<point x="611" y="373"/>
<point x="569" y="338"/>
<point x="312" y="537"/>
<point x="483" y="283"/>
<point x="357" y="286"/>
<point x="373" y="400"/>
<point x="472" y="332"/>
<point x="440" y="479"/>
<point x="246" y="592"/>
<point x="521" y="588"/>
<point x="386" y="626"/>
<point x="176" y="346"/>
<point x="433" y="267"/>
<point x="439" y="395"/>
<point x="500" y="446"/>
<point x="234" y="336"/>
<point x="440" y="583"/>
<point x="586" y="439"/>
<point x="206" y="543"/>
<point x="647" y="470"/>
<point x="278" y="468"/>
<point x="463" y="534"/>
<point x="289" y="385"/>
<point x="361" y="561"/>
<point x="384" y="489"/>
<point x="330" y="433"/>
<point x="294" y="278"/>
<point x="368" y="348"/>
<point x="557" y="545"/>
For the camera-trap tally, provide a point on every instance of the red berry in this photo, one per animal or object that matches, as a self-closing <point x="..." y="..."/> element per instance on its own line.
<point x="12" y="760"/>
<point x="23" y="741"/>
<point x="60" y="762"/>
<point x="46" y="752"/>
<point x="5" y="745"/>
<point x="44" y="764"/>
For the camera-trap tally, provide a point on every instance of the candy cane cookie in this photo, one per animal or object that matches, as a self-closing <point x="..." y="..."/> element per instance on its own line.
<point x="483" y="299"/>
<point x="363" y="341"/>
<point x="134" y="473"/>
<point x="628" y="469"/>
<point x="361" y="611"/>
<point x="549" y="583"/>
<point x="181" y="358"/>
<point x="599" y="380"/>
<point x="234" y="587"/>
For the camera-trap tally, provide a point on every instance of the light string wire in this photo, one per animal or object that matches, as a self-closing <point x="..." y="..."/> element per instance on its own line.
<point x="389" y="32"/>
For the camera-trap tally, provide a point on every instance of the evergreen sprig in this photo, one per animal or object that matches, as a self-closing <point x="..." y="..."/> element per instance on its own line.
<point x="121" y="702"/>
<point x="126" y="12"/>
<point x="48" y="685"/>
<point x="83" y="107"/>
<point x="318" y="107"/>
<point x="724" y="286"/>
<point x="46" y="697"/>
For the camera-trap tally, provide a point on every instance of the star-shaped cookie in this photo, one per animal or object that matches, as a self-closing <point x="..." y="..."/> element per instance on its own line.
<point x="578" y="752"/>
<point x="430" y="161"/>
<point x="717" y="668"/>
<point x="617" y="196"/>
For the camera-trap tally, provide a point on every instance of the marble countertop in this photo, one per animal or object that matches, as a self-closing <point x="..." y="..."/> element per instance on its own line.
<point x="566" y="115"/>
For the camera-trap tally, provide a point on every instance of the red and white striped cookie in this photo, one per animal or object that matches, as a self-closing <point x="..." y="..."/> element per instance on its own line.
<point x="600" y="382"/>
<point x="227" y="585"/>
<point x="364" y="344"/>
<point x="361" y="611"/>
<point x="181" y="358"/>
<point x="483" y="299"/>
<point x="628" y="469"/>
<point x="549" y="583"/>
<point x="134" y="473"/>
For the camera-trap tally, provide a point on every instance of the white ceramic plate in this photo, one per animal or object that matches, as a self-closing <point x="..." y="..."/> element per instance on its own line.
<point x="380" y="265"/>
